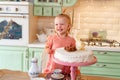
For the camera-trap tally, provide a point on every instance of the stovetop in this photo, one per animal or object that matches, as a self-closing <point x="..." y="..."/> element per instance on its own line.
<point x="100" y="42"/>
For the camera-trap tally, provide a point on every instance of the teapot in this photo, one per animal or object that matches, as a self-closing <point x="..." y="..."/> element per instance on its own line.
<point x="42" y="37"/>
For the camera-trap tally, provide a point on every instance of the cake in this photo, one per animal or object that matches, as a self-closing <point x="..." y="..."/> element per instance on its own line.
<point x="73" y="56"/>
<point x="70" y="48"/>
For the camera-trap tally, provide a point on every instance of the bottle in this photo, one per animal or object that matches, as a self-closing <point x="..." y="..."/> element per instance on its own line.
<point x="34" y="69"/>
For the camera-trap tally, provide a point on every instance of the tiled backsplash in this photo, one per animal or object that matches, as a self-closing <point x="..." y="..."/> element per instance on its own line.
<point x="97" y="15"/>
<point x="46" y="23"/>
<point x="92" y="15"/>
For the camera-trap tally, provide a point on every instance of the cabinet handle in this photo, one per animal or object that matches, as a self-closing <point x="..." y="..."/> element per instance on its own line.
<point x="61" y="2"/>
<point x="26" y="59"/>
<point x="33" y="53"/>
<point x="100" y="65"/>
<point x="102" y="52"/>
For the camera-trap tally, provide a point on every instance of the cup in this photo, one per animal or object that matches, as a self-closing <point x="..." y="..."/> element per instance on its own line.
<point x="57" y="71"/>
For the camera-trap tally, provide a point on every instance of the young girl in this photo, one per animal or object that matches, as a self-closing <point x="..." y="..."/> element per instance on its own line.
<point x="61" y="38"/>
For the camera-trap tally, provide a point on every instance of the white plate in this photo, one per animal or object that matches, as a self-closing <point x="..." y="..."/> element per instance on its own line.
<point x="38" y="79"/>
<point x="57" y="76"/>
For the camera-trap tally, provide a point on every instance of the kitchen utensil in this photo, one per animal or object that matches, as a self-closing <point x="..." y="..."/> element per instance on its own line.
<point x="57" y="76"/>
<point x="42" y="37"/>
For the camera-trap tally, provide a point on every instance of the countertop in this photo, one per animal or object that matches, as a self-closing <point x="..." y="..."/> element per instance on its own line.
<point x="18" y="75"/>
<point x="37" y="44"/>
<point x="104" y="48"/>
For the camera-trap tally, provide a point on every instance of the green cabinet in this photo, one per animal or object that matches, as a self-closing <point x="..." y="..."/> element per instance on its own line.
<point x="64" y="3"/>
<point x="35" y="52"/>
<point x="38" y="10"/>
<point x="47" y="10"/>
<point x="67" y="3"/>
<point x="47" y="7"/>
<point x="51" y="7"/>
<point x="13" y="58"/>
<point x="18" y="58"/>
<point x="108" y="64"/>
<point x="48" y="2"/>
<point x="56" y="11"/>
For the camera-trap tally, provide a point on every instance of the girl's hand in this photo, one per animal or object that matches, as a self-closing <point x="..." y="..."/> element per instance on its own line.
<point x="49" y="51"/>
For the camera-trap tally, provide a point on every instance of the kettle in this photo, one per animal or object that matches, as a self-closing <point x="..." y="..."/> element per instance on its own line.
<point x="42" y="37"/>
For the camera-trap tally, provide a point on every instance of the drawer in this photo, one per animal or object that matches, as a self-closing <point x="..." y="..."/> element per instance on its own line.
<point x="38" y="11"/>
<point x="36" y="49"/>
<point x="102" y="69"/>
<point x="57" y="10"/>
<point x="108" y="59"/>
<point x="47" y="11"/>
<point x="106" y="65"/>
<point x="108" y="53"/>
<point x="68" y="3"/>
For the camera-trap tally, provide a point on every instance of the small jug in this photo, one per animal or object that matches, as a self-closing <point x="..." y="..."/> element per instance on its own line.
<point x="34" y="69"/>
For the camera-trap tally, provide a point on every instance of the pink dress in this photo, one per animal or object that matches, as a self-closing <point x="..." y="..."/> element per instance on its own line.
<point x="53" y="43"/>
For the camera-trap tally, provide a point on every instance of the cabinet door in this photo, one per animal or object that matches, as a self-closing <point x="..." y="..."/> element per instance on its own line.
<point x="12" y="58"/>
<point x="108" y="64"/>
<point x="102" y="69"/>
<point x="107" y="57"/>
<point x="35" y="52"/>
<point x="48" y="2"/>
<point x="67" y="3"/>
<point x="64" y="3"/>
<point x="47" y="11"/>
<point x="38" y="10"/>
<point x="56" y="11"/>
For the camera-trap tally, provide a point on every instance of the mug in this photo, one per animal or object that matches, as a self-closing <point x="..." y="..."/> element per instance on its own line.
<point x="57" y="71"/>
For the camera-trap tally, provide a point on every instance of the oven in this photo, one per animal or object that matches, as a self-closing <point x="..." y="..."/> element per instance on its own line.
<point x="14" y="23"/>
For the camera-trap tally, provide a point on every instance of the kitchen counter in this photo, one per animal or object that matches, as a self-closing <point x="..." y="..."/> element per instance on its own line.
<point x="37" y="44"/>
<point x="42" y="45"/>
<point x="18" y="75"/>
<point x="103" y="48"/>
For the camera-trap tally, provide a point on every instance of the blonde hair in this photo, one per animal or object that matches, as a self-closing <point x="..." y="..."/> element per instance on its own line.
<point x="68" y="19"/>
<point x="66" y="16"/>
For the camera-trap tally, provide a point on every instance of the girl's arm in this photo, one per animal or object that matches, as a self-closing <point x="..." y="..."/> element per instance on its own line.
<point x="48" y="47"/>
<point x="49" y="50"/>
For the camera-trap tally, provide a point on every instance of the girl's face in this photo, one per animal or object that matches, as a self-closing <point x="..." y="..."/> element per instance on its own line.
<point x="61" y="25"/>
